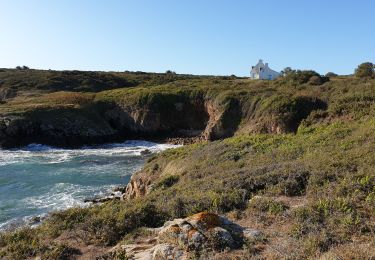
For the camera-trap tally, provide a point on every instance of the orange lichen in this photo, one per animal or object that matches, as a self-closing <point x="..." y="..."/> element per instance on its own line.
<point x="191" y="232"/>
<point x="207" y="219"/>
<point x="175" y="229"/>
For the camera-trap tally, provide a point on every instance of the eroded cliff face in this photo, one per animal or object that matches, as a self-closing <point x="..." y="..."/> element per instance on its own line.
<point x="224" y="120"/>
<point x="64" y="131"/>
<point x="205" y="119"/>
<point x="138" y="186"/>
<point x="165" y="117"/>
<point x="182" y="118"/>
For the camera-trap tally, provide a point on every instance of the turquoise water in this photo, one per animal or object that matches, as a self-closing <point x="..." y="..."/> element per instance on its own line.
<point x="38" y="179"/>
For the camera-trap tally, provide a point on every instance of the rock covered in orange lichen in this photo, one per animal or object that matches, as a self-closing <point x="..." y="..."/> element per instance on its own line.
<point x="203" y="230"/>
<point x="181" y="238"/>
<point x="205" y="220"/>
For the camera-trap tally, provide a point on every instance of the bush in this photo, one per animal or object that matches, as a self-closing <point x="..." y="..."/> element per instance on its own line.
<point x="331" y="75"/>
<point x="263" y="204"/>
<point x="60" y="252"/>
<point x="286" y="71"/>
<point x="168" y="181"/>
<point x="294" y="185"/>
<point x="364" y="70"/>
<point x="316" y="80"/>
<point x="297" y="77"/>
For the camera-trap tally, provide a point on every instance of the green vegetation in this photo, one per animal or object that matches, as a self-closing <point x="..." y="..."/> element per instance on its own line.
<point x="366" y="69"/>
<point x="298" y="77"/>
<point x="330" y="164"/>
<point x="81" y="81"/>
<point x="331" y="75"/>
<point x="313" y="188"/>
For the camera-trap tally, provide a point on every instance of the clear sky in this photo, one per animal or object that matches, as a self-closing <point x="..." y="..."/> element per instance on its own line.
<point x="187" y="36"/>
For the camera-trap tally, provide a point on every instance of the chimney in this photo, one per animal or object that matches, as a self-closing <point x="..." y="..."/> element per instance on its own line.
<point x="266" y="65"/>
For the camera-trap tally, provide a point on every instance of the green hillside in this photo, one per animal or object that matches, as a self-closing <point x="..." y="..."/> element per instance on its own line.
<point x="292" y="157"/>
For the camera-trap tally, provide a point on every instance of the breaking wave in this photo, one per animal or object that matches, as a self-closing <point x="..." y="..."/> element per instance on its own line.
<point x="38" y="179"/>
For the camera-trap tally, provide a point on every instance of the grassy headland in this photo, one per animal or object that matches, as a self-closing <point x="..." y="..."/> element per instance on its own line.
<point x="298" y="162"/>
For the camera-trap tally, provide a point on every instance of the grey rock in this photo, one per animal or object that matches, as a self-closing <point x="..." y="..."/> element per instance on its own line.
<point x="249" y="233"/>
<point x="167" y="252"/>
<point x="221" y="238"/>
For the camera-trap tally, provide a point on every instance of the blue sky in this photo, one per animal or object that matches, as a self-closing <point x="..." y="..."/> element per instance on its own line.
<point x="191" y="36"/>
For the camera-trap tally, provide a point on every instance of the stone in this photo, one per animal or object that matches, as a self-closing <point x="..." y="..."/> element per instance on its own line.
<point x="170" y="234"/>
<point x="177" y="221"/>
<point x="205" y="220"/>
<point x="167" y="252"/>
<point x="203" y="230"/>
<point x="220" y="238"/>
<point x="120" y="189"/>
<point x="249" y="233"/>
<point x="146" y="152"/>
<point x="182" y="238"/>
<point x="196" y="240"/>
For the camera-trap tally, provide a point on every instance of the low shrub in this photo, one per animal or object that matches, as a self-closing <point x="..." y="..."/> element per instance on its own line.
<point x="267" y="205"/>
<point x="366" y="69"/>
<point x="297" y="77"/>
<point x="167" y="181"/>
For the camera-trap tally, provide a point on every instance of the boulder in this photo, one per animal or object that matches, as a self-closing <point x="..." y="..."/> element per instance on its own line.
<point x="220" y="238"/>
<point x="182" y="238"/>
<point x="167" y="252"/>
<point x="146" y="152"/>
<point x="249" y="233"/>
<point x="201" y="231"/>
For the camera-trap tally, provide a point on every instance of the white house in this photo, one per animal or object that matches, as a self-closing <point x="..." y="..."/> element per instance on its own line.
<point x="262" y="71"/>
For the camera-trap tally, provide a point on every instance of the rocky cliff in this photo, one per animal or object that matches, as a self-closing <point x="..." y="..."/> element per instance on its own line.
<point x="163" y="117"/>
<point x="78" y="108"/>
<point x="310" y="191"/>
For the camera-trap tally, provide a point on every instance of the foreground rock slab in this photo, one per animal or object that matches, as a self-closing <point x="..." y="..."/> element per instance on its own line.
<point x="186" y="237"/>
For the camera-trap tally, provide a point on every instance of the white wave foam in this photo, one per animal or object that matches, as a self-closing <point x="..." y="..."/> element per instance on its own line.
<point x="44" y="154"/>
<point x="66" y="195"/>
<point x="92" y="161"/>
<point x="61" y="196"/>
<point x="14" y="223"/>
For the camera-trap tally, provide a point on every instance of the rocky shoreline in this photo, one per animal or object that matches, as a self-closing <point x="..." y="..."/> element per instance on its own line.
<point x="116" y="194"/>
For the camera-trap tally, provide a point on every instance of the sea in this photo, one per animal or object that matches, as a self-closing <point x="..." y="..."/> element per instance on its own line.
<point x="38" y="179"/>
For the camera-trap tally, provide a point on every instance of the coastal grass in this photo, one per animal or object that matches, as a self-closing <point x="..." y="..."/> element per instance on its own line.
<point x="260" y="102"/>
<point x="331" y="165"/>
<point x="327" y="162"/>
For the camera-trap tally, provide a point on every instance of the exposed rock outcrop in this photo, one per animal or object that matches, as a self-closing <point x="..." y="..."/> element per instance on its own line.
<point x="223" y="120"/>
<point x="66" y="131"/>
<point x="182" y="117"/>
<point x="6" y="94"/>
<point x="183" y="238"/>
<point x="164" y="116"/>
<point x="138" y="186"/>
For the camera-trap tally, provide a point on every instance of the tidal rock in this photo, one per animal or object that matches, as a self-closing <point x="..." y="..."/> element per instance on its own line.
<point x="120" y="189"/>
<point x="146" y="152"/>
<point x="113" y="196"/>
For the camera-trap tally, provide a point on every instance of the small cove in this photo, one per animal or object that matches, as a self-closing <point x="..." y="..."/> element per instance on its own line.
<point x="39" y="179"/>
